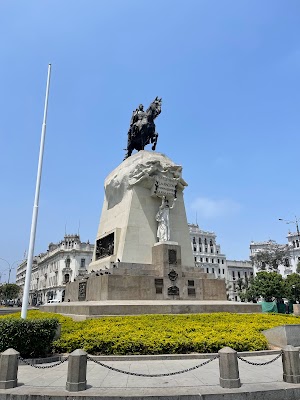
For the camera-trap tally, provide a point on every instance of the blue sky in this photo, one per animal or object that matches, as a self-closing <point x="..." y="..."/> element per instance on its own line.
<point x="228" y="73"/>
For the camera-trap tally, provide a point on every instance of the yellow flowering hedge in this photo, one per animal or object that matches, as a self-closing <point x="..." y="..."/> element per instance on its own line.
<point x="165" y="334"/>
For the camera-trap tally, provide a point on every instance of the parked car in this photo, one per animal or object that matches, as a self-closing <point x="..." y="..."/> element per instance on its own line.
<point x="53" y="301"/>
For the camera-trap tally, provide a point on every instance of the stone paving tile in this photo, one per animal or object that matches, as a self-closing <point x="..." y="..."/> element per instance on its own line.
<point x="204" y="377"/>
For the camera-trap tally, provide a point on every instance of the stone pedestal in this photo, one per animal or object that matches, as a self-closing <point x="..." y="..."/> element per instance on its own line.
<point x="164" y="279"/>
<point x="143" y="249"/>
<point x="133" y="194"/>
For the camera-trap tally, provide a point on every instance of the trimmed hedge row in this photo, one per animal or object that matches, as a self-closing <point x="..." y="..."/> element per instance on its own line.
<point x="32" y="338"/>
<point x="164" y="334"/>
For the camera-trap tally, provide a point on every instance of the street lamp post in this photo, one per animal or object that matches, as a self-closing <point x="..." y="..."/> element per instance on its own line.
<point x="10" y="267"/>
<point x="296" y="222"/>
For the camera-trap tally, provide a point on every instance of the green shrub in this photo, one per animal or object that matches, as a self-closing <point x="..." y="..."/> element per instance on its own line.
<point x="31" y="338"/>
<point x="163" y="334"/>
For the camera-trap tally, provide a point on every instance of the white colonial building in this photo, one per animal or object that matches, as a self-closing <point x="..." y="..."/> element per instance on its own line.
<point x="61" y="263"/>
<point x="207" y="255"/>
<point x="293" y="253"/>
<point x="237" y="272"/>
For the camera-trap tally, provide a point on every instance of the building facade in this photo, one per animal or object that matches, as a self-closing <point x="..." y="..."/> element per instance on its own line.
<point x="207" y="253"/>
<point x="238" y="274"/>
<point x="61" y="263"/>
<point x="290" y="264"/>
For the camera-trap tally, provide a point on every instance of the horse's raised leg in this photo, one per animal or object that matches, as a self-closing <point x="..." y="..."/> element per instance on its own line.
<point x="154" y="140"/>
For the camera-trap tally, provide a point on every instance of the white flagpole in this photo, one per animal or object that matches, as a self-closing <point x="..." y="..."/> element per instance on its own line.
<point x="35" y="206"/>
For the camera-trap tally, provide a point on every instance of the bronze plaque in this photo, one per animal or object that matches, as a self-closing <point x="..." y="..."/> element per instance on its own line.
<point x="192" y="292"/>
<point x="172" y="257"/>
<point x="173" y="291"/>
<point x="82" y="291"/>
<point x="172" y="275"/>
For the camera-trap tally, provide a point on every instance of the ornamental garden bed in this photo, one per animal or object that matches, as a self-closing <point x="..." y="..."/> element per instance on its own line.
<point x="162" y="334"/>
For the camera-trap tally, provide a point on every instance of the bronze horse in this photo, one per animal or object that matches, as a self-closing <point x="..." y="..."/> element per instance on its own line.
<point x="142" y="127"/>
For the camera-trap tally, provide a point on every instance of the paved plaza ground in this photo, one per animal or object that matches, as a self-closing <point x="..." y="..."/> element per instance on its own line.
<point x="262" y="381"/>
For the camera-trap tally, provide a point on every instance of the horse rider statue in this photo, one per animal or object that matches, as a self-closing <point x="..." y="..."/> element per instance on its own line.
<point x="142" y="128"/>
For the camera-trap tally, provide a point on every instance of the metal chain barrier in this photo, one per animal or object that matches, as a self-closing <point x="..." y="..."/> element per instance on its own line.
<point x="152" y="375"/>
<point x="258" y="364"/>
<point x="42" y="366"/>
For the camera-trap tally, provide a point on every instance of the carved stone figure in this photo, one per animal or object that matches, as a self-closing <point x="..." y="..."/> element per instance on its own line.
<point x="163" y="219"/>
<point x="142" y="128"/>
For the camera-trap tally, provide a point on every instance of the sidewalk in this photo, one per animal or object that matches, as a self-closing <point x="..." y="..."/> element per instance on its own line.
<point x="201" y="383"/>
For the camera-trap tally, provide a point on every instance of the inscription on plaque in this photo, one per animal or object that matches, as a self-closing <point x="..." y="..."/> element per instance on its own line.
<point x="192" y="292"/>
<point x="82" y="291"/>
<point x="172" y="257"/>
<point x="173" y="291"/>
<point x="159" y="283"/>
<point x="164" y="186"/>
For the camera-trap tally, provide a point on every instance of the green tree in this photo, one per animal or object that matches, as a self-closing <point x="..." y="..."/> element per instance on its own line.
<point x="268" y="285"/>
<point x="271" y="257"/>
<point x="9" y="291"/>
<point x="292" y="284"/>
<point x="246" y="292"/>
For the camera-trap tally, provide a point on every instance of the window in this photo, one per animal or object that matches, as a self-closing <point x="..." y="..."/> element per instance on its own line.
<point x="191" y="292"/>
<point x="205" y="242"/>
<point x="200" y="249"/>
<point x="194" y="240"/>
<point x="195" y="259"/>
<point x="205" y="249"/>
<point x="67" y="278"/>
<point x="222" y="261"/>
<point x="218" y="261"/>
<point x="201" y="259"/>
<point x="239" y="274"/>
<point x="297" y="241"/>
<point x="206" y="259"/>
<point x="210" y="243"/>
<point x="286" y="262"/>
<point x="207" y="270"/>
<point x="195" y="248"/>
<point x="213" y="270"/>
<point x="233" y="274"/>
<point x="223" y="271"/>
<point x="191" y="283"/>
<point x="217" y="251"/>
<point x="82" y="263"/>
<point x="200" y="241"/>
<point x="212" y="260"/>
<point x="245" y="274"/>
<point x="219" y="271"/>
<point x="211" y="250"/>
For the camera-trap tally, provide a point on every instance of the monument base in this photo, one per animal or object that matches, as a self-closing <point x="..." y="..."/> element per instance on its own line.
<point x="164" y="279"/>
<point x="97" y="309"/>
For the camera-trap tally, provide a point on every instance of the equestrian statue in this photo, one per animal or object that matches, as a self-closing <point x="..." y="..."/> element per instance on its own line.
<point x="142" y="128"/>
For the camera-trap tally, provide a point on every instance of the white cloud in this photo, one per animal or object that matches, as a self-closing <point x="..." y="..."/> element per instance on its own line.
<point x="210" y="208"/>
